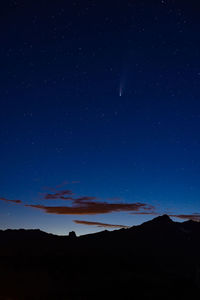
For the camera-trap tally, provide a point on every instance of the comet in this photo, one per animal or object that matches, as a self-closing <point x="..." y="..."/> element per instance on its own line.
<point x="122" y="83"/>
<point x="120" y="90"/>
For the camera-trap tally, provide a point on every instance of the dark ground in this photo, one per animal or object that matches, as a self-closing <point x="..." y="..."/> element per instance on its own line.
<point x="157" y="260"/>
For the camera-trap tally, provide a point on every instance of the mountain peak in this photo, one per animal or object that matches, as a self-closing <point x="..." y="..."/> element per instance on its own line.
<point x="162" y="219"/>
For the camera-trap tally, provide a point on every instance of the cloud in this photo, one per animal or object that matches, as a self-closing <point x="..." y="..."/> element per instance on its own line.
<point x="60" y="195"/>
<point x="99" y="224"/>
<point x="10" y="201"/>
<point x="67" y="182"/>
<point x="115" y="199"/>
<point x="81" y="206"/>
<point x="193" y="217"/>
<point x="86" y="205"/>
<point x="151" y="213"/>
<point x="60" y="185"/>
<point x="85" y="198"/>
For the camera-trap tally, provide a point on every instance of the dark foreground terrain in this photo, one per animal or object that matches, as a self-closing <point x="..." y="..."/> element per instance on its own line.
<point x="159" y="259"/>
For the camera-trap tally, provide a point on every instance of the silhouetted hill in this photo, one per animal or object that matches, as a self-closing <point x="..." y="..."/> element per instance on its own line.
<point x="23" y="234"/>
<point x="158" y="259"/>
<point x="160" y="235"/>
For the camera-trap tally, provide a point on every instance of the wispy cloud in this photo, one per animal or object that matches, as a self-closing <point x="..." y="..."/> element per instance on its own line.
<point x="63" y="195"/>
<point x="193" y="217"/>
<point x="58" y="186"/>
<point x="89" y="206"/>
<point x="86" y="205"/>
<point x="99" y="224"/>
<point x="10" y="201"/>
<point x="83" y="205"/>
<point x="151" y="213"/>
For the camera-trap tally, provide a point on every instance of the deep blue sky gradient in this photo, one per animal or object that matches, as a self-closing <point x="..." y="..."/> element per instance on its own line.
<point x="61" y="116"/>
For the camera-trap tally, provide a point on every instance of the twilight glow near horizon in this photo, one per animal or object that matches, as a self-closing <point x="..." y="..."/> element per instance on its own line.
<point x="80" y="149"/>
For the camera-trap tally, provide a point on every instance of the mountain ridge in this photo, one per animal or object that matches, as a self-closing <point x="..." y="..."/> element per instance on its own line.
<point x="158" y="259"/>
<point x="159" y="220"/>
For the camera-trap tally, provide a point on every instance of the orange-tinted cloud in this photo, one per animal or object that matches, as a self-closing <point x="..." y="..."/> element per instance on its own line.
<point x="193" y="217"/>
<point x="151" y="213"/>
<point x="59" y="195"/>
<point x="82" y="207"/>
<point x="54" y="189"/>
<point x="62" y="184"/>
<point x="99" y="224"/>
<point x="11" y="201"/>
<point x="67" y="182"/>
<point x="84" y="198"/>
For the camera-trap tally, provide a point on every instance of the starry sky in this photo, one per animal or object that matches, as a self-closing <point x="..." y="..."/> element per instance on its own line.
<point x="99" y="113"/>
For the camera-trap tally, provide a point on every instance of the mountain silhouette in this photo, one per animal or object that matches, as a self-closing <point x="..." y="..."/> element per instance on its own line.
<point x="157" y="259"/>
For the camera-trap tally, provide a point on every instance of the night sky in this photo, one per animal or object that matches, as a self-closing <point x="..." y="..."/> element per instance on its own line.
<point x="100" y="113"/>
